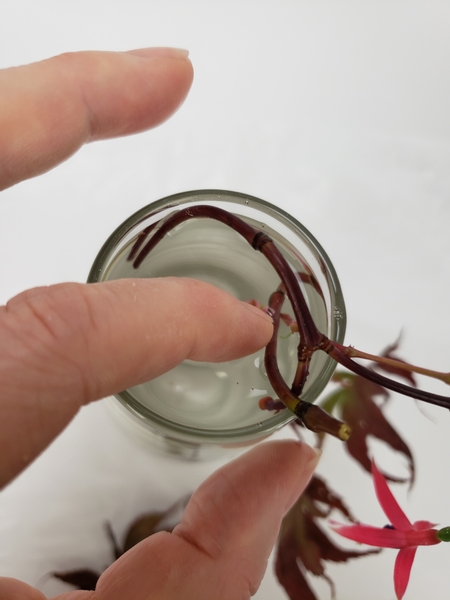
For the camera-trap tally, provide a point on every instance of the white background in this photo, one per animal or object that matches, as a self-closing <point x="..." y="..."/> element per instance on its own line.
<point x="336" y="111"/>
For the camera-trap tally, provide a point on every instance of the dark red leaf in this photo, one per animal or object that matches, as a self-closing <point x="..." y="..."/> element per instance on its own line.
<point x="389" y="352"/>
<point x="356" y="403"/>
<point x="288" y="572"/>
<point x="318" y="491"/>
<point x="303" y="545"/>
<point x="141" y="529"/>
<point x="84" y="579"/>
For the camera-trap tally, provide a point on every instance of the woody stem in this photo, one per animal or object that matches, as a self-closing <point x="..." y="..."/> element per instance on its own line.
<point x="311" y="339"/>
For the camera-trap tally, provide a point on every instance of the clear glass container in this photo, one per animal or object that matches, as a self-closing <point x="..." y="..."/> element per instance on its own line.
<point x="198" y="408"/>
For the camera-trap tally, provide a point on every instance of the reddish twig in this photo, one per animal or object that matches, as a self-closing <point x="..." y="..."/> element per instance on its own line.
<point x="311" y="339"/>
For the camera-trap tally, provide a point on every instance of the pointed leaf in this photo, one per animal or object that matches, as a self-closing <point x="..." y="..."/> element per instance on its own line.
<point x="357" y="406"/>
<point x="318" y="490"/>
<point x="333" y="400"/>
<point x="83" y="579"/>
<point x="288" y="572"/>
<point x="142" y="528"/>
<point x="389" y="352"/>
<point x="151" y="523"/>
<point x="303" y="546"/>
<point x="117" y="551"/>
<point x="328" y="550"/>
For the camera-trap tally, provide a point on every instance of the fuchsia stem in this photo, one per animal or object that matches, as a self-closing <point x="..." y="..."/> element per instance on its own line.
<point x="311" y="339"/>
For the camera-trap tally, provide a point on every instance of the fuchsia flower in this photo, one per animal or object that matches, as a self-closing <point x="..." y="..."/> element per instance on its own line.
<point x="401" y="533"/>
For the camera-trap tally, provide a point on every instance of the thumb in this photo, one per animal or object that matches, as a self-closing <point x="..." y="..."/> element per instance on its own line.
<point x="220" y="549"/>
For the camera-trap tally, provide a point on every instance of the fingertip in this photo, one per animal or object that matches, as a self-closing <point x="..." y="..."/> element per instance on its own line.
<point x="260" y="322"/>
<point x="162" y="51"/>
<point x="286" y="465"/>
<point x="306" y="458"/>
<point x="257" y="487"/>
<point x="145" y="87"/>
<point x="87" y="96"/>
<point x="258" y="312"/>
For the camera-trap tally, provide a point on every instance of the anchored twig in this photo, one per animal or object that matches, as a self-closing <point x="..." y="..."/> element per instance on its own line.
<point x="311" y="339"/>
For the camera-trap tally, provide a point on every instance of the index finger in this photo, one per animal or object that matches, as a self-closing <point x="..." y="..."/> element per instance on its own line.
<point x="69" y="344"/>
<point x="49" y="109"/>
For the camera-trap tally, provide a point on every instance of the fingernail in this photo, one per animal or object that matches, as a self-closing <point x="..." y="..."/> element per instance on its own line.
<point x="315" y="454"/>
<point x="160" y="52"/>
<point x="307" y="472"/>
<point x="257" y="311"/>
<point x="312" y="464"/>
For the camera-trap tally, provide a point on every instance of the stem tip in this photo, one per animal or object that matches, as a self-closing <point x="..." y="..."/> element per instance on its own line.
<point x="316" y="419"/>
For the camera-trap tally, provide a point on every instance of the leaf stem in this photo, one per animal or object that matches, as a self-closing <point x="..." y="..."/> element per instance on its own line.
<point x="391" y="384"/>
<point x="353" y="352"/>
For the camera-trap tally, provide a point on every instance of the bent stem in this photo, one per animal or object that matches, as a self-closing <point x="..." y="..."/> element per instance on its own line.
<point x="311" y="339"/>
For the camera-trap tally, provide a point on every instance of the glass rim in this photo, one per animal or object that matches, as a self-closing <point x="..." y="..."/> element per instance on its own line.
<point x="278" y="420"/>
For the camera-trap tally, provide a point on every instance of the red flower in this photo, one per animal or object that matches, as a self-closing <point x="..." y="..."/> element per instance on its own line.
<point x="401" y="533"/>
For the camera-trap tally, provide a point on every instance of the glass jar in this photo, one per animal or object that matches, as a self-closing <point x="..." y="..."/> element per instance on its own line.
<point x="198" y="408"/>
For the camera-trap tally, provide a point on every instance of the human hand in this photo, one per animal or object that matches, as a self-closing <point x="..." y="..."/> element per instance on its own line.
<point x="220" y="549"/>
<point x="63" y="346"/>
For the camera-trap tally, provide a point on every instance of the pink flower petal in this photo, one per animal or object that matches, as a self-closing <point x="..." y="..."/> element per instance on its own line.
<point x="388" y="503"/>
<point x="402" y="570"/>
<point x="386" y="537"/>
<point x="372" y="536"/>
<point x="420" y="525"/>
